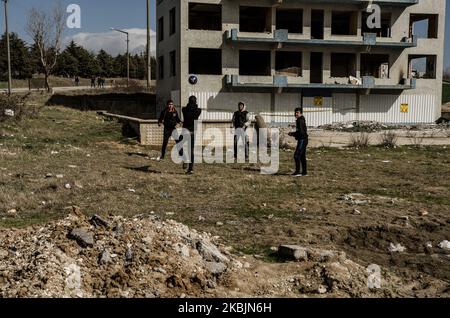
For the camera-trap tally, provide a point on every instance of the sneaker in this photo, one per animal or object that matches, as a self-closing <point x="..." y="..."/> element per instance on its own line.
<point x="189" y="172"/>
<point x="296" y="174"/>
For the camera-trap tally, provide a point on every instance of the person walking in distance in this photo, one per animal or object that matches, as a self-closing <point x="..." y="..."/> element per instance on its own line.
<point x="191" y="113"/>
<point x="240" y="122"/>
<point x="170" y="119"/>
<point x="301" y="134"/>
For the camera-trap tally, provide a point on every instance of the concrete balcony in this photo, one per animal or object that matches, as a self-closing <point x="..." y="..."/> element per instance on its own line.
<point x="283" y="38"/>
<point x="285" y="83"/>
<point x="396" y="3"/>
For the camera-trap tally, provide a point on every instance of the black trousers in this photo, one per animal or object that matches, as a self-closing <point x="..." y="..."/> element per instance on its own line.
<point x="167" y="134"/>
<point x="300" y="156"/>
<point x="190" y="151"/>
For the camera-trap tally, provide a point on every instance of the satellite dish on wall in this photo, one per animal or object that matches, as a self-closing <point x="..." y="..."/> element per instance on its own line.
<point x="193" y="79"/>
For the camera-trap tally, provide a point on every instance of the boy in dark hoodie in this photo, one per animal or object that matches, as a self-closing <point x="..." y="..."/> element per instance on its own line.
<point x="191" y="113"/>
<point x="241" y="120"/>
<point x="170" y="119"/>
<point x="301" y="134"/>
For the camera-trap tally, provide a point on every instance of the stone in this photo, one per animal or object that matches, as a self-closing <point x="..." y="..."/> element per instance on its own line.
<point x="445" y="245"/>
<point x="59" y="176"/>
<point x="68" y="186"/>
<point x="319" y="255"/>
<point x="216" y="268"/>
<point x="105" y="258"/>
<point x="396" y="248"/>
<point x="322" y="290"/>
<point x="12" y="211"/>
<point x="129" y="254"/>
<point x="295" y="252"/>
<point x="97" y="220"/>
<point x="160" y="270"/>
<point x="210" y="252"/>
<point x="84" y="237"/>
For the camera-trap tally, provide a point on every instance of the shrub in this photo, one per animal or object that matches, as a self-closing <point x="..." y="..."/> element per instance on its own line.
<point x="389" y="139"/>
<point x="417" y="139"/>
<point x="361" y="140"/>
<point x="16" y="107"/>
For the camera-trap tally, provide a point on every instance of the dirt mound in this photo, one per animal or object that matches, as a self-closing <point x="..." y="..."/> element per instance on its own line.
<point x="113" y="257"/>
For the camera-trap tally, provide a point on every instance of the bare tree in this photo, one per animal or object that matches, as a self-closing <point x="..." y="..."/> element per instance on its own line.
<point x="46" y="29"/>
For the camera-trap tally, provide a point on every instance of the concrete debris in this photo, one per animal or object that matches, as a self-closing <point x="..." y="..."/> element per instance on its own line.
<point x="97" y="220"/>
<point x="393" y="248"/>
<point x="132" y="258"/>
<point x="295" y="252"/>
<point x="210" y="252"/>
<point x="355" y="126"/>
<point x="9" y="112"/>
<point x="216" y="268"/>
<point x="299" y="253"/>
<point x="84" y="237"/>
<point x="105" y="258"/>
<point x="355" y="199"/>
<point x="445" y="245"/>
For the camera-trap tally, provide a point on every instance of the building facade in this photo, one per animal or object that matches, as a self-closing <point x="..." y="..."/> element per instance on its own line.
<point x="341" y="60"/>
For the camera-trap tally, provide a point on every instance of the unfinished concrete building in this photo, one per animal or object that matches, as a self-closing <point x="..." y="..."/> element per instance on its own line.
<point x="276" y="55"/>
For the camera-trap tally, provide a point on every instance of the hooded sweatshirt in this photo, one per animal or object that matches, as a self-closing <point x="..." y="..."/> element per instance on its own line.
<point x="241" y="119"/>
<point x="191" y="113"/>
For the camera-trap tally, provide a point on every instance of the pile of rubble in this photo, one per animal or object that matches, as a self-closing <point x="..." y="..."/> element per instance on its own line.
<point x="373" y="126"/>
<point x="110" y="257"/>
<point x="355" y="126"/>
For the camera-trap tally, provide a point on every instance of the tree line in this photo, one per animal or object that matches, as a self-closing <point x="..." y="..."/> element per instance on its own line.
<point x="73" y="61"/>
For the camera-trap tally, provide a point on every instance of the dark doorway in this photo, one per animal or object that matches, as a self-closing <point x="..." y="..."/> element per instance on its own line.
<point x="317" y="24"/>
<point x="316" y="69"/>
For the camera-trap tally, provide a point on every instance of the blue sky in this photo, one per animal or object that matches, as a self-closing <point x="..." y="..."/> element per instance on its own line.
<point x="99" y="15"/>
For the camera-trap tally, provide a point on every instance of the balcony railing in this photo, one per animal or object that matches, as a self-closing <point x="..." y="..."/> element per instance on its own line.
<point x="282" y="37"/>
<point x="281" y="82"/>
<point x="403" y="3"/>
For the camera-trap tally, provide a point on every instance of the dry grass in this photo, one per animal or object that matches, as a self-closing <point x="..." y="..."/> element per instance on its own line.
<point x="110" y="175"/>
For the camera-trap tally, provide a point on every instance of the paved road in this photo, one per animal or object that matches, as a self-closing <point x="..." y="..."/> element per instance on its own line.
<point x="55" y="89"/>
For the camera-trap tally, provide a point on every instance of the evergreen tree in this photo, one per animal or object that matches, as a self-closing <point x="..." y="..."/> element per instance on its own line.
<point x="106" y="64"/>
<point x="21" y="67"/>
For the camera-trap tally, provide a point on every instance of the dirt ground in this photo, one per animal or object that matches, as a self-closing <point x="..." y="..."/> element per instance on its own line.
<point x="356" y="201"/>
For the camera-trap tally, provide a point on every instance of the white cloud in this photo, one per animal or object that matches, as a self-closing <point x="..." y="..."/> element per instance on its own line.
<point x="114" y="42"/>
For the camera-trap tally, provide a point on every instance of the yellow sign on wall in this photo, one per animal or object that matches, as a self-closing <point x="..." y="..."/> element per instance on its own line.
<point x="318" y="101"/>
<point x="404" y="108"/>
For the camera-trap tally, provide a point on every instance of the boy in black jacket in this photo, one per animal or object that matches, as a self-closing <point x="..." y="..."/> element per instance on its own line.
<point x="302" y="142"/>
<point x="169" y="117"/>
<point x="191" y="113"/>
